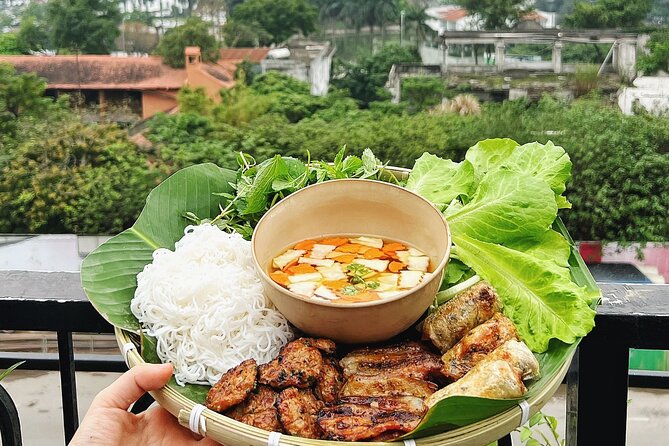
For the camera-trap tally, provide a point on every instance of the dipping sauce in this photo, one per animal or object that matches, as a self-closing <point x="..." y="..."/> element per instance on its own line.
<point x="349" y="269"/>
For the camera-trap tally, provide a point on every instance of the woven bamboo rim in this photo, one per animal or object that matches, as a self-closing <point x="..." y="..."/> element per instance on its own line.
<point x="234" y="433"/>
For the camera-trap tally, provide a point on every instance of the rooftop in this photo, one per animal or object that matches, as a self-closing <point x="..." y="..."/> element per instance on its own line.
<point x="236" y="55"/>
<point x="109" y="72"/>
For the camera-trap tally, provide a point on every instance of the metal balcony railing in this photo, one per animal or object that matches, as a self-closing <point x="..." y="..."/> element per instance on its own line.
<point x="631" y="316"/>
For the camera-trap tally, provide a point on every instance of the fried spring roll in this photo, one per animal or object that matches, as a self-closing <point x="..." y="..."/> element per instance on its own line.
<point x="478" y="343"/>
<point x="498" y="375"/>
<point x="453" y="320"/>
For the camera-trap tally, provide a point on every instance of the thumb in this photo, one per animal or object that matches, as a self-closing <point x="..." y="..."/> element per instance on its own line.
<point x="132" y="385"/>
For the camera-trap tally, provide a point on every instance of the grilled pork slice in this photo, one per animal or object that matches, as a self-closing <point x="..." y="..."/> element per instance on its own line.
<point x="298" y="412"/>
<point x="480" y="341"/>
<point x="299" y="364"/>
<point x="387" y="385"/>
<point x="233" y="387"/>
<point x="329" y="382"/>
<point x="410" y="359"/>
<point x="361" y="418"/>
<point x="259" y="410"/>
<point x="454" y="319"/>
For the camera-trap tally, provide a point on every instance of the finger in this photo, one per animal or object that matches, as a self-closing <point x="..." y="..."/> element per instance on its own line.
<point x="132" y="385"/>
<point x="166" y="423"/>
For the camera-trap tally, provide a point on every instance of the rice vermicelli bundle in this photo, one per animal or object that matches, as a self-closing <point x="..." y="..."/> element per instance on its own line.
<point x="204" y="304"/>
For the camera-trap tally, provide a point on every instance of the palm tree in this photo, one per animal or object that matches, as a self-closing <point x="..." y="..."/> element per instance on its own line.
<point x="385" y="11"/>
<point x="414" y="18"/>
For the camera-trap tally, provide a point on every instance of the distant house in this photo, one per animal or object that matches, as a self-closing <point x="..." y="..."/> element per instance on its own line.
<point x="456" y="18"/>
<point x="237" y="55"/>
<point x="305" y="60"/>
<point x="145" y="84"/>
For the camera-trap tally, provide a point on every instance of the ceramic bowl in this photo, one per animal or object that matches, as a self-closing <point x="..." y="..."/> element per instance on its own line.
<point x="353" y="207"/>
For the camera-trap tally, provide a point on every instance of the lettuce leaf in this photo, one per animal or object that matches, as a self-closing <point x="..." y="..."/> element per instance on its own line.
<point x="537" y="294"/>
<point x="545" y="161"/>
<point x="440" y="180"/>
<point x="506" y="207"/>
<point x="490" y="154"/>
<point x="551" y="246"/>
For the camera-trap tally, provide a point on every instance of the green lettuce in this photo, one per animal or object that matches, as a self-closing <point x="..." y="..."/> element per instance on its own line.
<point x="507" y="206"/>
<point x="537" y="294"/>
<point x="545" y="161"/>
<point x="440" y="180"/>
<point x="490" y="154"/>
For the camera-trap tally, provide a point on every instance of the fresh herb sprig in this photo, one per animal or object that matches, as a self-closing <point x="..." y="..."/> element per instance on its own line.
<point x="259" y="186"/>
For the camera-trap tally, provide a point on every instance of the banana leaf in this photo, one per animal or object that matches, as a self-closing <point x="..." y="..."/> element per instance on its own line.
<point x="109" y="273"/>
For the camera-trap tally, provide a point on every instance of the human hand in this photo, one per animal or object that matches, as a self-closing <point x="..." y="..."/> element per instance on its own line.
<point x="108" y="422"/>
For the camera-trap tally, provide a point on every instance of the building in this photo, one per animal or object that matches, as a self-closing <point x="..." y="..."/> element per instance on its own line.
<point x="305" y="60"/>
<point x="144" y="84"/>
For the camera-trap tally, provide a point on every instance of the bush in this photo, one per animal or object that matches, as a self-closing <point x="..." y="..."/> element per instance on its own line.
<point x="84" y="179"/>
<point x="658" y="56"/>
<point x="421" y="93"/>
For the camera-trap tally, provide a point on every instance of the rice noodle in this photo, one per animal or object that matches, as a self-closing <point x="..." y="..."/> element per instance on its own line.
<point x="205" y="305"/>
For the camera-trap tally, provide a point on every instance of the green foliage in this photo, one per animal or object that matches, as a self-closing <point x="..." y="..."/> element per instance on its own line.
<point x="194" y="32"/>
<point x="365" y="79"/>
<point x="21" y="95"/>
<point x="422" y="92"/>
<point x="532" y="435"/>
<point x="75" y="178"/>
<point x="35" y="31"/>
<point x="4" y="374"/>
<point x="9" y="44"/>
<point x="585" y="79"/>
<point x="279" y="19"/>
<point x="608" y="14"/>
<point x="194" y="101"/>
<point x="658" y="57"/>
<point x="244" y="34"/>
<point x="496" y="14"/>
<point x="87" y="26"/>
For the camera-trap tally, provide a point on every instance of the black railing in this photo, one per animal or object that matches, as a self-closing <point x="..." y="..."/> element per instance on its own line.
<point x="631" y="316"/>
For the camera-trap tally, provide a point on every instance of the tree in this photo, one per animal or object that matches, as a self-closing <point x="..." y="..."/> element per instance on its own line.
<point x="9" y="44"/>
<point x="365" y="79"/>
<point x="414" y="19"/>
<point x="87" y="26"/>
<point x="609" y="14"/>
<point x="658" y="56"/>
<point x="195" y="32"/>
<point x="496" y="14"/>
<point x="280" y="18"/>
<point x="34" y="34"/>
<point x="236" y="34"/>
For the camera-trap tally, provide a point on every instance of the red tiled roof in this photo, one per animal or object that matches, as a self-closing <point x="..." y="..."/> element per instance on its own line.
<point x="236" y="55"/>
<point x="533" y="15"/>
<point x="454" y="14"/>
<point x="101" y="72"/>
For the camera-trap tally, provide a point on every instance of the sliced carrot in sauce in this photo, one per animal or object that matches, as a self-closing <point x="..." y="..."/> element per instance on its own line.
<point x="363" y="249"/>
<point x="335" y="285"/>
<point x="347" y="258"/>
<point x="335" y="241"/>
<point x="349" y="247"/>
<point x="294" y="262"/>
<point x="374" y="254"/>
<point x="394" y="247"/>
<point x="301" y="268"/>
<point x="395" y="267"/>
<point x="279" y="277"/>
<point x="306" y="244"/>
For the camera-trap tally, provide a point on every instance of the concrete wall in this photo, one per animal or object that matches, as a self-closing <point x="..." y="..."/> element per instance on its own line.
<point x="319" y="74"/>
<point x="651" y="92"/>
<point x="157" y="101"/>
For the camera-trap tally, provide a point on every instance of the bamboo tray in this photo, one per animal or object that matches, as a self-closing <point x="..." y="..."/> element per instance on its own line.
<point x="234" y="433"/>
